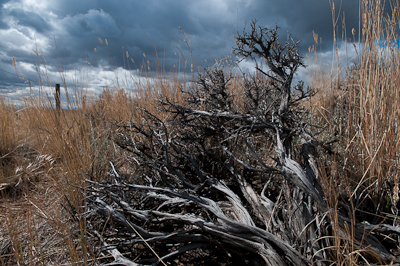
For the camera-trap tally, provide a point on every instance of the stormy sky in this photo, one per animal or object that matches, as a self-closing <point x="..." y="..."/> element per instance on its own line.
<point x="65" y="33"/>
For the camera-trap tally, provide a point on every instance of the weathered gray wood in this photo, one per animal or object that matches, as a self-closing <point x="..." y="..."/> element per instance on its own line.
<point x="232" y="232"/>
<point x="119" y="259"/>
<point x="203" y="181"/>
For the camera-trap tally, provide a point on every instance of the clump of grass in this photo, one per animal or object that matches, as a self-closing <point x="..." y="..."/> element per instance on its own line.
<point x="36" y="231"/>
<point x="358" y="103"/>
<point x="373" y="112"/>
<point x="13" y="144"/>
<point x="8" y="140"/>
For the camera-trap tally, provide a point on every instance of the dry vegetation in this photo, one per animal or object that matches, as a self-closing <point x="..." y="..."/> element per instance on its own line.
<point x="55" y="167"/>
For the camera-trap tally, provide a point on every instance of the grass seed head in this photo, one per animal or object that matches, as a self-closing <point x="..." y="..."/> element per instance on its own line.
<point x="183" y="33"/>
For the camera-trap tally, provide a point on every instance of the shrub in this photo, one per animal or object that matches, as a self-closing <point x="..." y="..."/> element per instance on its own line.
<point x="237" y="181"/>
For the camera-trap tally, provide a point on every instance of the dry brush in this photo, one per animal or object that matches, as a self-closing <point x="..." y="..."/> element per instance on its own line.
<point x="243" y="184"/>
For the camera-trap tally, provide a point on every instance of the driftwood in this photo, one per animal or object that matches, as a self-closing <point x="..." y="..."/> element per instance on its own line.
<point x="207" y="178"/>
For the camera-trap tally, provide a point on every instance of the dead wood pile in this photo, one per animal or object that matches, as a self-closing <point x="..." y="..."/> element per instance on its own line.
<point x="217" y="180"/>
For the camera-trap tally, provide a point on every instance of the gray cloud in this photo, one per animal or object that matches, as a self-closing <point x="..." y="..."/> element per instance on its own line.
<point x="66" y="32"/>
<point x="91" y="24"/>
<point x="3" y="25"/>
<point x="30" y="19"/>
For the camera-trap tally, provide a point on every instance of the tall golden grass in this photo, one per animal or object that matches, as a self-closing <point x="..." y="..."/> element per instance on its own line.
<point x="358" y="102"/>
<point x="373" y="91"/>
<point x="8" y="139"/>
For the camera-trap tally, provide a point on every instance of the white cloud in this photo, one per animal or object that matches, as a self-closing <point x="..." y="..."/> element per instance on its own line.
<point x="27" y="5"/>
<point x="13" y="39"/>
<point x="22" y="39"/>
<point x="88" y="80"/>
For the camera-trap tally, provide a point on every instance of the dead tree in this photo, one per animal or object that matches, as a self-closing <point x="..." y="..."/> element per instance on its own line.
<point x="213" y="180"/>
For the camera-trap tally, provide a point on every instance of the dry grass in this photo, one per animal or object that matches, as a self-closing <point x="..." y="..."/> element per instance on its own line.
<point x="359" y="104"/>
<point x="62" y="145"/>
<point x="9" y="140"/>
<point x="375" y="100"/>
<point x="34" y="231"/>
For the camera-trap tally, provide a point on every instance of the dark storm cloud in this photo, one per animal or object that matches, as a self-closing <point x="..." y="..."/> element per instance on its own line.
<point x="212" y="27"/>
<point x="301" y="18"/>
<point x="67" y="31"/>
<point x="30" y="19"/>
<point x="3" y="25"/>
<point x="91" y="24"/>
